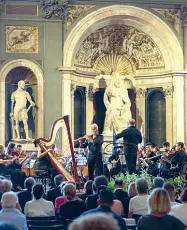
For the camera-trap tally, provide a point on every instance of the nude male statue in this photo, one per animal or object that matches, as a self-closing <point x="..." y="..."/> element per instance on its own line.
<point x="19" y="112"/>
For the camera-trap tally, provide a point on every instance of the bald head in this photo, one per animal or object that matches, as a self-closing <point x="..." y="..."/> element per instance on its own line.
<point x="132" y="122"/>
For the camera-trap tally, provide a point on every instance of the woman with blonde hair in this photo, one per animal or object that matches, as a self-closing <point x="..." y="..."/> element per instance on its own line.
<point x="159" y="207"/>
<point x="98" y="221"/>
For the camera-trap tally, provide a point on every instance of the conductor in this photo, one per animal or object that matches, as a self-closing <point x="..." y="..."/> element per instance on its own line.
<point x="131" y="138"/>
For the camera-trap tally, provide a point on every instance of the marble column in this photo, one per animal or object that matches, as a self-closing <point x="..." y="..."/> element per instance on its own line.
<point x="140" y="111"/>
<point x="89" y="107"/>
<point x="73" y="89"/>
<point x="168" y="92"/>
<point x="178" y="102"/>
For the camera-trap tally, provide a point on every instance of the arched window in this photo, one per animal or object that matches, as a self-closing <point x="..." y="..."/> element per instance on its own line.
<point x="156" y="117"/>
<point x="79" y="112"/>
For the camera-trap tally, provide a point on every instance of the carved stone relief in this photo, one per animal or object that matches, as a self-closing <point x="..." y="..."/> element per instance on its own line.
<point x="141" y="93"/>
<point x="168" y="90"/>
<point x="54" y="9"/>
<point x="74" y="11"/>
<point x="73" y="89"/>
<point x="119" y="40"/>
<point x="172" y="16"/>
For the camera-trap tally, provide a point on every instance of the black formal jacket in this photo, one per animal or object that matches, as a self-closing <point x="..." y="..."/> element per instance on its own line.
<point x="120" y="194"/>
<point x="179" y="160"/>
<point x="53" y="193"/>
<point x="95" y="148"/>
<point x="23" y="197"/>
<point x="91" y="201"/>
<point x="115" y="156"/>
<point x="131" y="136"/>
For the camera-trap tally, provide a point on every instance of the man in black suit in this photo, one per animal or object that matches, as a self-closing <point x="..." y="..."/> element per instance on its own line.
<point x="131" y="138"/>
<point x="53" y="193"/>
<point x="105" y="203"/>
<point x="26" y="195"/>
<point x="91" y="201"/>
<point x="119" y="193"/>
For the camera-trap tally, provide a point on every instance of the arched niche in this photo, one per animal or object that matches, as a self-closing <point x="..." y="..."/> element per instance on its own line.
<point x="156" y="117"/>
<point x="36" y="75"/>
<point x="79" y="112"/>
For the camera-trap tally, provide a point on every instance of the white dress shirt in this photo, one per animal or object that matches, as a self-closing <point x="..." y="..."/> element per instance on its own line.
<point x="39" y="207"/>
<point x="180" y="212"/>
<point x="138" y="205"/>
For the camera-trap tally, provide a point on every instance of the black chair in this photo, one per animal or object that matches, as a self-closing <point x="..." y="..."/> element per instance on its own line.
<point x="136" y="217"/>
<point x="43" y="222"/>
<point x="53" y="227"/>
<point x="43" y="218"/>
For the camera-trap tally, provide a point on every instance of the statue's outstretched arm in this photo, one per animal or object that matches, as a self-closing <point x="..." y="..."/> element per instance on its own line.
<point x="106" y="99"/>
<point x="30" y="100"/>
<point x="12" y="104"/>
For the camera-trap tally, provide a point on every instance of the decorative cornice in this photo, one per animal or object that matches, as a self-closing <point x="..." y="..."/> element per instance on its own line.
<point x="141" y="93"/>
<point x="54" y="9"/>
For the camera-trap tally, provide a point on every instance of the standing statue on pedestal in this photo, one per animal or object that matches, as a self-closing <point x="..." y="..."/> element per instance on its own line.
<point x="117" y="104"/>
<point x="19" y="111"/>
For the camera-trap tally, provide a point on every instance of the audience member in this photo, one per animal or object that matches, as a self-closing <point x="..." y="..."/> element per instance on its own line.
<point x="159" y="207"/>
<point x="74" y="207"/>
<point x="180" y="211"/>
<point x="26" y="195"/>
<point x="10" y="213"/>
<point x="91" y="201"/>
<point x="61" y="199"/>
<point x="38" y="206"/>
<point x="6" y="226"/>
<point x="105" y="203"/>
<point x="2" y="188"/>
<point x="131" y="193"/>
<point x="87" y="190"/>
<point x="7" y="185"/>
<point x="118" y="192"/>
<point x="53" y="193"/>
<point x="169" y="187"/>
<point x="157" y="182"/>
<point x="138" y="204"/>
<point x="98" y="221"/>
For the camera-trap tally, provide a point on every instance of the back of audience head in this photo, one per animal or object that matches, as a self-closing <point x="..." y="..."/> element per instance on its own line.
<point x="158" y="202"/>
<point x="88" y="187"/>
<point x="2" y="187"/>
<point x="7" y="185"/>
<point x="169" y="187"/>
<point x="9" y="200"/>
<point x="141" y="186"/>
<point x="38" y="191"/>
<point x="158" y="182"/>
<point x="69" y="191"/>
<point x="98" y="221"/>
<point x="29" y="182"/>
<point x="6" y="226"/>
<point x="58" y="180"/>
<point x="106" y="197"/>
<point x="184" y="196"/>
<point x="132" y="190"/>
<point x="99" y="180"/>
<point x="118" y="183"/>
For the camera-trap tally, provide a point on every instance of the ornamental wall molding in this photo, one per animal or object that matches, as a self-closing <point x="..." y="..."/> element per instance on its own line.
<point x="184" y="13"/>
<point x="168" y="90"/>
<point x="141" y="93"/>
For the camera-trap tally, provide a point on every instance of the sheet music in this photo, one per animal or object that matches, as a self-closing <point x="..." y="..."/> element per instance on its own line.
<point x="29" y="163"/>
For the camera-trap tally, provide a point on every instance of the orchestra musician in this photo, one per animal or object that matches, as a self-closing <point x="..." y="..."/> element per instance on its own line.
<point x="94" y="143"/>
<point x="178" y="159"/>
<point x="117" y="165"/>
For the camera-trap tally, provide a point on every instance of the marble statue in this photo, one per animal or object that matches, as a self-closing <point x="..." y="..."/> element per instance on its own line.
<point x="19" y="111"/>
<point x="117" y="104"/>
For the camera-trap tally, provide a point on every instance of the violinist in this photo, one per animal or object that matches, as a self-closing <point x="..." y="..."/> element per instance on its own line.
<point x="178" y="161"/>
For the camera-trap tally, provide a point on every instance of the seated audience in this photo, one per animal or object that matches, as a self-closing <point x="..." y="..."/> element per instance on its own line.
<point x="131" y="193"/>
<point x="26" y="195"/>
<point x="169" y="187"/>
<point x="117" y="207"/>
<point x="105" y="203"/>
<point x="53" y="193"/>
<point x="118" y="192"/>
<point x="87" y="190"/>
<point x="7" y="185"/>
<point x="10" y="213"/>
<point x="91" y="201"/>
<point x="2" y="188"/>
<point x="159" y="208"/>
<point x="157" y="182"/>
<point x="74" y="207"/>
<point x="98" y="221"/>
<point x="38" y="206"/>
<point x="138" y="204"/>
<point x="180" y="211"/>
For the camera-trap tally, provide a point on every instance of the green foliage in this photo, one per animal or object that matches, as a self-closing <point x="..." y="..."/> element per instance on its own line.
<point x="178" y="182"/>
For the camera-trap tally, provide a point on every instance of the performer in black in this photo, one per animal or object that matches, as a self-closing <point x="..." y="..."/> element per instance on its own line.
<point x="177" y="161"/>
<point x="94" y="143"/>
<point x="131" y="138"/>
